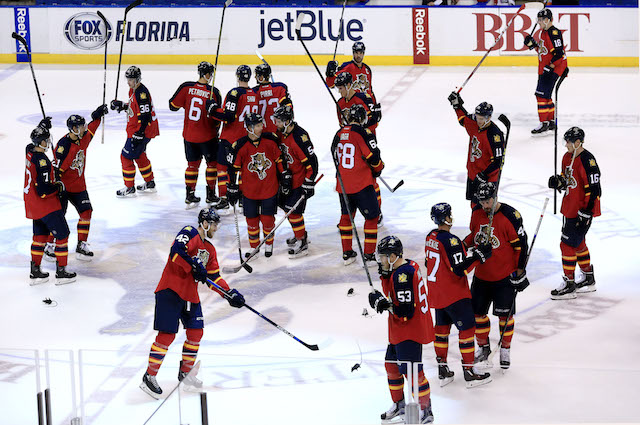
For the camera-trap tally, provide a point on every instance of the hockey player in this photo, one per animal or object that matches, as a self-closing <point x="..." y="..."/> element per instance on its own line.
<point x="303" y="164"/>
<point x="552" y="63"/>
<point x="410" y="325"/>
<point x="447" y="264"/>
<point x="270" y="96"/>
<point x="192" y="259"/>
<point x="580" y="179"/>
<point x="238" y="102"/>
<point x="142" y="126"/>
<point x="70" y="160"/>
<point x="360" y="71"/>
<point x="359" y="163"/>
<point x="200" y="132"/>
<point x="486" y="144"/>
<point x="42" y="205"/>
<point x="497" y="280"/>
<point x="259" y="159"/>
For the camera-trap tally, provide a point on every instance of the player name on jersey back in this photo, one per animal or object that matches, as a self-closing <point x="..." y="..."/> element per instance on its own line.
<point x="195" y="91"/>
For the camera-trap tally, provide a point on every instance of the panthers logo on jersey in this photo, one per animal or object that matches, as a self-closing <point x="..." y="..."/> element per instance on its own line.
<point x="542" y="50"/>
<point x="203" y="255"/>
<point x="259" y="164"/>
<point x="285" y="151"/>
<point x="78" y="162"/>
<point x="475" y="152"/>
<point x="569" y="179"/>
<point x="481" y="237"/>
<point x="362" y="83"/>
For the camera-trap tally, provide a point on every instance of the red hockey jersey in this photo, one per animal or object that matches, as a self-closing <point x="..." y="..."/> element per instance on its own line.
<point x="583" y="185"/>
<point x="361" y="75"/>
<point x="297" y="149"/>
<point x="364" y="100"/>
<point x="486" y="147"/>
<point x="198" y="126"/>
<point x="239" y="102"/>
<point x="270" y="96"/>
<point x="260" y="163"/>
<point x="551" y="51"/>
<point x="141" y="113"/>
<point x="70" y="158"/>
<point x="358" y="157"/>
<point x="40" y="193"/>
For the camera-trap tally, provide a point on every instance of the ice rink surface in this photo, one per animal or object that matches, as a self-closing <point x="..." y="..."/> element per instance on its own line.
<point x="572" y="360"/>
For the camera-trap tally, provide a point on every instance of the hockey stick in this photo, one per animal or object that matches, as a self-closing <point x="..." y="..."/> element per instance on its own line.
<point x="263" y="61"/>
<point x="344" y="5"/>
<point x="213" y="285"/>
<point x="529" y="5"/>
<point x="104" y="80"/>
<point x="400" y="183"/>
<point x="513" y="304"/>
<point x="215" y="67"/>
<point x="555" y="139"/>
<point x="133" y="4"/>
<point x="236" y="269"/>
<point x="33" y="74"/>
<point x="244" y="264"/>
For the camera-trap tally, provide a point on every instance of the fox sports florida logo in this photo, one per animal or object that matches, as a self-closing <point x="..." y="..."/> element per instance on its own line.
<point x="87" y="31"/>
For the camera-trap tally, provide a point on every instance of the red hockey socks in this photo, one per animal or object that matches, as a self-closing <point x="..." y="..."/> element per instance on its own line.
<point x="144" y="165"/>
<point x="376" y="187"/>
<point x="190" y="349"/>
<point x="546" y="109"/>
<point x="346" y="232"/>
<point x="483" y="327"/>
<point x="297" y="224"/>
<point x="84" y="222"/>
<point x="424" y="390"/>
<point x="128" y="171"/>
<point x="212" y="174"/>
<point x="441" y="343"/>
<point x="467" y="346"/>
<point x="569" y="260"/>
<point x="583" y="257"/>
<point x="37" y="248"/>
<point x="191" y="174"/>
<point x="508" y="333"/>
<point x="223" y="179"/>
<point x="268" y="223"/>
<point x="62" y="251"/>
<point x="253" y="228"/>
<point x="370" y="235"/>
<point x="396" y="381"/>
<point x="158" y="351"/>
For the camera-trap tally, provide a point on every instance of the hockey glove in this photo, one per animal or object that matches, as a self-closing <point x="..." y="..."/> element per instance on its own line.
<point x="455" y="100"/>
<point x="584" y="219"/>
<point x="211" y="106"/>
<point x="308" y="188"/>
<point x="481" y="177"/>
<point x="530" y="42"/>
<point x="376" y="110"/>
<point x="235" y="299"/>
<point x="378" y="302"/>
<point x="198" y="270"/>
<point x="557" y="182"/>
<point x="519" y="283"/>
<point x="59" y="186"/>
<point x="118" y="105"/>
<point x="286" y="182"/>
<point x="483" y="252"/>
<point x="45" y="123"/>
<point x="233" y="193"/>
<point x="332" y="67"/>
<point x="382" y="272"/>
<point x="100" y="111"/>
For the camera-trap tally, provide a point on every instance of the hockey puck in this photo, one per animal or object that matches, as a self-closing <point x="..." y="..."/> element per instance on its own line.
<point x="350" y="292"/>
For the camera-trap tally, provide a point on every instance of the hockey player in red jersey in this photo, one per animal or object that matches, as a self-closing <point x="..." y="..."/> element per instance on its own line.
<point x="70" y="160"/>
<point x="270" y="96"/>
<point x="580" y="179"/>
<point x="447" y="264"/>
<point x="360" y="71"/>
<point x="303" y="164"/>
<point x="486" y="144"/>
<point x="552" y="63"/>
<point x="410" y="326"/>
<point x="356" y="152"/>
<point x="200" y="132"/>
<point x="237" y="104"/>
<point x="192" y="259"/>
<point x="259" y="160"/>
<point x="497" y="280"/>
<point x="142" y="126"/>
<point x="42" y="205"/>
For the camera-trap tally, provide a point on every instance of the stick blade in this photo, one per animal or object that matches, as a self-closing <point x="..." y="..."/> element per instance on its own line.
<point x="504" y="120"/>
<point x="133" y="4"/>
<point x="400" y="183"/>
<point x="229" y="269"/>
<point x="533" y="5"/>
<point x="299" y="20"/>
<point x="248" y="268"/>
<point x="101" y="16"/>
<point x="228" y="3"/>
<point x="312" y="347"/>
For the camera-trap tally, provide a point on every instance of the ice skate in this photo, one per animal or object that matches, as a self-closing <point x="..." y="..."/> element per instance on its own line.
<point x="211" y="196"/>
<point x="222" y="207"/>
<point x="191" y="200"/>
<point x="50" y="252"/>
<point x="481" y="359"/>
<point x="380" y="221"/>
<point x="126" y="192"/>
<point x="587" y="284"/>
<point x="566" y="291"/>
<point x="147" y="187"/>
<point x="37" y="276"/>
<point x="189" y="380"/>
<point x="349" y="257"/>
<point x="150" y="386"/>
<point x="426" y="415"/>
<point x="445" y="375"/>
<point x="395" y="414"/>
<point x="268" y="250"/>
<point x="63" y="276"/>
<point x="291" y="241"/>
<point x="300" y="248"/>
<point x="541" y="129"/>
<point x="552" y="125"/>
<point x="475" y="379"/>
<point x="505" y="358"/>
<point x="370" y="260"/>
<point x="83" y="251"/>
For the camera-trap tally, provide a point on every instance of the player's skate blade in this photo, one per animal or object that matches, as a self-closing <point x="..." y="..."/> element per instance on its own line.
<point x="126" y="192"/>
<point x="474" y="379"/>
<point x="587" y="284"/>
<point x="395" y="414"/>
<point x="566" y="291"/>
<point x="445" y="375"/>
<point x="299" y="249"/>
<point x="147" y="187"/>
<point x="349" y="257"/>
<point x="150" y="386"/>
<point x="63" y="276"/>
<point x="37" y="276"/>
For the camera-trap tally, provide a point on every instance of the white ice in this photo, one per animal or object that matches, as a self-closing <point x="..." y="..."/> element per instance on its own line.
<point x="573" y="361"/>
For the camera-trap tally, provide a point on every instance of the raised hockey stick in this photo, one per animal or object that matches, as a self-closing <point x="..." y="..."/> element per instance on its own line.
<point x="555" y="139"/>
<point x="530" y="5"/>
<point x="236" y="269"/>
<point x="344" y="5"/>
<point x="213" y="285"/>
<point x="400" y="183"/>
<point x="215" y="67"/>
<point x="104" y="80"/>
<point x="133" y="4"/>
<point x="244" y="264"/>
<point x="263" y="61"/>
<point x="33" y="74"/>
